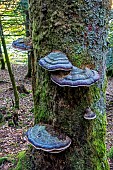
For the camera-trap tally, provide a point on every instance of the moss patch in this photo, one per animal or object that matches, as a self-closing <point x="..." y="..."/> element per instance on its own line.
<point x="23" y="162"/>
<point x="3" y="159"/>
<point x="110" y="153"/>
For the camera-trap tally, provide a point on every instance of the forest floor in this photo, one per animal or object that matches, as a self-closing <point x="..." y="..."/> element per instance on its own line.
<point x="12" y="137"/>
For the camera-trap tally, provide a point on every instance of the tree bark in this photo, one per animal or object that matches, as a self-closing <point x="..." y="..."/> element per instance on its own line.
<point x="77" y="28"/>
<point x="2" y="59"/>
<point x="29" y="67"/>
<point x="9" y="68"/>
<point x="27" y="23"/>
<point x="29" y="52"/>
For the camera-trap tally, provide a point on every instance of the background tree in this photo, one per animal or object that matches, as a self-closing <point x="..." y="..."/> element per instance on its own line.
<point x="2" y="59"/>
<point x="10" y="22"/>
<point x="9" y="68"/>
<point x="79" y="29"/>
<point x="15" y="21"/>
<point x="23" y="8"/>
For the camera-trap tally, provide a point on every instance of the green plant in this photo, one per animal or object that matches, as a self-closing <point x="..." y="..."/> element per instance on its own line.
<point x="110" y="153"/>
<point x="23" y="162"/>
<point x="2" y="160"/>
<point x="22" y="95"/>
<point x="1" y="117"/>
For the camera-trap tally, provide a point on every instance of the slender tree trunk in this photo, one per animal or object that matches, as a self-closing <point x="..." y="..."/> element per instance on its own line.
<point x="77" y="28"/>
<point x="9" y="68"/>
<point x="29" y="65"/>
<point x="27" y="24"/>
<point x="33" y="73"/>
<point x="29" y="52"/>
<point x="2" y="59"/>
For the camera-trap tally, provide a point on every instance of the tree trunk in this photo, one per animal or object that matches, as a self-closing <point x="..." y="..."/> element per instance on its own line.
<point x="27" y="23"/>
<point x="29" y="68"/>
<point x="29" y="52"/>
<point x="2" y="59"/>
<point x="78" y="29"/>
<point x="9" y="68"/>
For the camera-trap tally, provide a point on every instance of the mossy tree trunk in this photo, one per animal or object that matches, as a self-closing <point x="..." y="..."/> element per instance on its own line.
<point x="9" y="67"/>
<point x="29" y="69"/>
<point x="79" y="29"/>
<point x="2" y="59"/>
<point x="29" y="52"/>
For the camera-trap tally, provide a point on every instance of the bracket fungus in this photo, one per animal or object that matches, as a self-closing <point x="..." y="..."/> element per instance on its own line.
<point x="55" y="61"/>
<point x="22" y="44"/>
<point x="44" y="137"/>
<point x="77" y="77"/>
<point x="89" y="114"/>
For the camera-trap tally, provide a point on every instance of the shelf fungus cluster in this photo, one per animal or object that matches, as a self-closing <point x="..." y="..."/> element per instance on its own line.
<point x="76" y="77"/>
<point x="22" y="44"/>
<point x="63" y="73"/>
<point x="44" y="137"/>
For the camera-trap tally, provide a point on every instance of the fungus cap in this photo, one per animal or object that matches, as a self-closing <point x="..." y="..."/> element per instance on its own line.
<point x="21" y="45"/>
<point x="55" y="61"/>
<point x="77" y="77"/>
<point x="47" y="139"/>
<point x="89" y="114"/>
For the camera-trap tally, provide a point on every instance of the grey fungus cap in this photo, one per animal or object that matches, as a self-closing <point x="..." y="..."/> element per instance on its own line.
<point x="89" y="114"/>
<point x="77" y="77"/>
<point x="44" y="137"/>
<point x="55" y="61"/>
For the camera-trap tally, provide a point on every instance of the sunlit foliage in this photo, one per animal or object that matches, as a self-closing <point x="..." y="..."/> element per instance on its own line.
<point x="12" y="18"/>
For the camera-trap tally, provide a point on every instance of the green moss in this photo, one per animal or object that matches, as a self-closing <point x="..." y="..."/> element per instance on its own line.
<point x="8" y="116"/>
<point x="10" y="123"/>
<point x="22" y="95"/>
<point x="1" y="117"/>
<point x="80" y="57"/>
<point x="99" y="131"/>
<point x="41" y="110"/>
<point x="3" y="159"/>
<point x="23" y="162"/>
<point x="94" y="92"/>
<point x="110" y="153"/>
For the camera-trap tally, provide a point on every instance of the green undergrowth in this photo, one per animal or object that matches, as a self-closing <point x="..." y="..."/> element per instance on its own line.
<point x="22" y="162"/>
<point x="110" y="153"/>
<point x="3" y="159"/>
<point x="9" y="158"/>
<point x="22" y="95"/>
